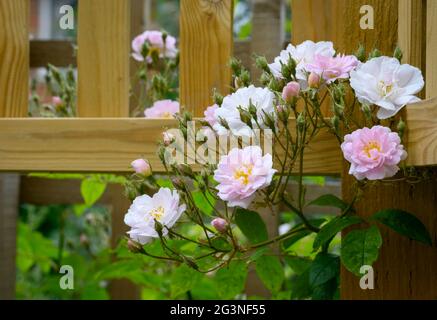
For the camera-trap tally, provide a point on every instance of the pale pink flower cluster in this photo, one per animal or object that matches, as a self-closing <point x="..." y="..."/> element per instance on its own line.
<point x="373" y="153"/>
<point x="241" y="173"/>
<point x="156" y="43"/>
<point x="162" y="109"/>
<point x="332" y="68"/>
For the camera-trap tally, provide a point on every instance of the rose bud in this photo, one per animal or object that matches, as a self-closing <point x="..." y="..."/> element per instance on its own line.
<point x="56" y="101"/>
<point x="221" y="225"/>
<point x="290" y="91"/>
<point x="134" y="246"/>
<point x="168" y="138"/>
<point x="314" y="80"/>
<point x="142" y="167"/>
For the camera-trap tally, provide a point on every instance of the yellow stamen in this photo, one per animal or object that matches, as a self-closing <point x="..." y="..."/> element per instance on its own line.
<point x="166" y="115"/>
<point x="157" y="213"/>
<point x="384" y="88"/>
<point x="372" y="145"/>
<point x="243" y="173"/>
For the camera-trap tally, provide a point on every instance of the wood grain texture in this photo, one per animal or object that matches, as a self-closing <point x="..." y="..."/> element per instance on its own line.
<point x="109" y="145"/>
<point x="14" y="58"/>
<point x="59" y="53"/>
<point x="422" y="133"/>
<point x="9" y="194"/>
<point x="266" y="30"/>
<point x="431" y="49"/>
<point x="205" y="50"/>
<point x="103" y="58"/>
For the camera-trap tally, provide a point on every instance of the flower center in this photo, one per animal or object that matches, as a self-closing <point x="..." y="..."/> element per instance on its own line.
<point x="243" y="173"/>
<point x="157" y="213"/>
<point x="384" y="88"/>
<point x="372" y="145"/>
<point x="166" y="114"/>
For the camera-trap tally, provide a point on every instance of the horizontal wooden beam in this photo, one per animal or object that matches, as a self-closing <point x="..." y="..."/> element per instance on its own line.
<point x="110" y="144"/>
<point x="59" y="53"/>
<point x="422" y="133"/>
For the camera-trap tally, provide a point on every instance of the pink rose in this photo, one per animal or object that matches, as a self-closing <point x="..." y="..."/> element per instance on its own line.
<point x="313" y="80"/>
<point x="56" y="101"/>
<point x="156" y="43"/>
<point x="290" y="91"/>
<point x="210" y="115"/>
<point x="241" y="173"/>
<point x="220" y="224"/>
<point x="141" y="166"/>
<point x="332" y="68"/>
<point x="162" y="109"/>
<point x="373" y="153"/>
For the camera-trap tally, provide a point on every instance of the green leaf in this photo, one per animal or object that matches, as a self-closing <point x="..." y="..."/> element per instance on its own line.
<point x="333" y="227"/>
<point x="326" y="291"/>
<point x="325" y="267"/>
<point x="202" y="203"/>
<point x="164" y="183"/>
<point x="329" y="200"/>
<point x="92" y="190"/>
<point x="405" y="224"/>
<point x="269" y="270"/>
<point x="231" y="280"/>
<point x="183" y="279"/>
<point x="360" y="247"/>
<point x="298" y="264"/>
<point x="300" y="286"/>
<point x="251" y="224"/>
<point x="301" y="234"/>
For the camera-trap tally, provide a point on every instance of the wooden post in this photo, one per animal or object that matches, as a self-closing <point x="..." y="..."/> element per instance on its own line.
<point x="14" y="79"/>
<point x="103" y="87"/>
<point x="205" y="50"/>
<point x="405" y="269"/>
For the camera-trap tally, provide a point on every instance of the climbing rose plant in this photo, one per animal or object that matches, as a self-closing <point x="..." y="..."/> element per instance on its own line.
<point x="223" y="198"/>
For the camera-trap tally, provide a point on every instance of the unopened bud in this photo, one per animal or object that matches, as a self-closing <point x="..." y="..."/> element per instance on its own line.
<point x="375" y="54"/>
<point x="366" y="110"/>
<point x="134" y="246"/>
<point x="261" y="63"/>
<point x="178" y="183"/>
<point x="245" y="117"/>
<point x="300" y="121"/>
<point x="221" y="225"/>
<point x="398" y="54"/>
<point x="235" y="65"/>
<point x="361" y="53"/>
<point x="185" y="170"/>
<point x="217" y="97"/>
<point x="335" y="121"/>
<point x="314" y="80"/>
<point x="401" y="128"/>
<point x="168" y="138"/>
<point x="142" y="167"/>
<point x="290" y="91"/>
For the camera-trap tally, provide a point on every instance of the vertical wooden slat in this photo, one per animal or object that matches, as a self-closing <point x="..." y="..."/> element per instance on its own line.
<point x="103" y="58"/>
<point x="103" y="86"/>
<point x="14" y="90"/>
<point x="14" y="58"/>
<point x="431" y="49"/>
<point x="266" y="30"/>
<point x="205" y="50"/>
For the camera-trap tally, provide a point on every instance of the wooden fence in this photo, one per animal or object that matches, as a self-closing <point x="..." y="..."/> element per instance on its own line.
<point x="104" y="139"/>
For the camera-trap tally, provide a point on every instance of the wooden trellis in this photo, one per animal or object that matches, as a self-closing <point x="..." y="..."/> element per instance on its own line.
<point x="103" y="139"/>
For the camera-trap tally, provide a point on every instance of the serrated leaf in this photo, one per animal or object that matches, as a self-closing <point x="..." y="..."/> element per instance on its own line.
<point x="269" y="270"/>
<point x="324" y="267"/>
<point x="332" y="228"/>
<point x="405" y="224"/>
<point x="231" y="280"/>
<point x="92" y="190"/>
<point x="251" y="225"/>
<point x="183" y="279"/>
<point x="360" y="247"/>
<point x="329" y="200"/>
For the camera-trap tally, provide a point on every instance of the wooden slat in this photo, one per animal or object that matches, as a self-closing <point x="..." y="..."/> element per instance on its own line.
<point x="9" y="188"/>
<point x="14" y="58"/>
<point x="103" y="58"/>
<point x="59" y="53"/>
<point x="431" y="49"/>
<point x="109" y="145"/>
<point x="205" y="49"/>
